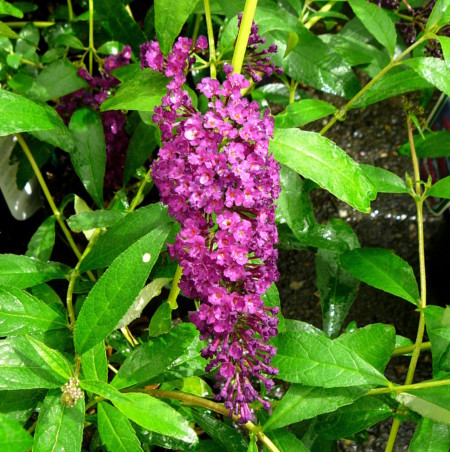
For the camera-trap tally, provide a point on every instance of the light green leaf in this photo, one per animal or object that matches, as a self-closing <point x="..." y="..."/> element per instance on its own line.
<point x="104" y="390"/>
<point x="286" y="441"/>
<point x="59" y="428"/>
<point x="143" y="93"/>
<point x="115" y="430"/>
<point x="7" y="32"/>
<point x="436" y="144"/>
<point x="383" y="180"/>
<point x="13" y="437"/>
<point x="445" y="44"/>
<point x="377" y="22"/>
<point x="319" y="159"/>
<point x="42" y="241"/>
<point x="303" y="112"/>
<point x="169" y="19"/>
<point x="94" y="363"/>
<point x="441" y="189"/>
<point x="430" y="436"/>
<point x="437" y="321"/>
<point x="8" y="9"/>
<point x="167" y="421"/>
<point x="433" y="70"/>
<point x="89" y="155"/>
<point x="95" y="219"/>
<point x="21" y="313"/>
<point x="24" y="271"/>
<point x="440" y="15"/>
<point x="318" y="361"/>
<point x="117" y="289"/>
<point x="384" y="270"/>
<point x="306" y="402"/>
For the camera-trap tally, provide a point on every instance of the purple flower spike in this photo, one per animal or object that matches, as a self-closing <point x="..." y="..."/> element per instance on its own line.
<point x="215" y="175"/>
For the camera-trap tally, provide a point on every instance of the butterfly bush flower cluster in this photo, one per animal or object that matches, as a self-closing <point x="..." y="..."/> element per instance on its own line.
<point x="100" y="87"/>
<point x="214" y="173"/>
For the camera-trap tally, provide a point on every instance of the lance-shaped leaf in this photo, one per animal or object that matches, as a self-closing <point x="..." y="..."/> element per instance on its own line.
<point x="440" y="15"/>
<point x="441" y="189"/>
<point x="13" y="437"/>
<point x="287" y="441"/>
<point x="430" y="436"/>
<point x="21" y="313"/>
<point x="437" y="321"/>
<point x="94" y="363"/>
<point x="383" y="180"/>
<point x="89" y="154"/>
<point x="436" y="144"/>
<point x="117" y="289"/>
<point x="319" y="159"/>
<point x="96" y="219"/>
<point x="384" y="270"/>
<point x="59" y="427"/>
<point x="20" y="404"/>
<point x="41" y="244"/>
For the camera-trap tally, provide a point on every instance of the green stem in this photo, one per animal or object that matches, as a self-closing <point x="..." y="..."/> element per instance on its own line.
<point x="243" y="35"/>
<point x="410" y="348"/>
<point x="138" y="195"/>
<point x="292" y="89"/>
<point x="212" y="48"/>
<point x="341" y="113"/>
<point x="174" y="289"/>
<point x="325" y="8"/>
<point x="409" y="387"/>
<point x="198" y="19"/>
<point x="69" y="7"/>
<point x="91" y="35"/>
<point x="22" y="23"/>
<point x="392" y="435"/>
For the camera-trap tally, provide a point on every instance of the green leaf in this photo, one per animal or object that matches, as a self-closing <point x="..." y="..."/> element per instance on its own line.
<point x="383" y="180"/>
<point x="21" y="313"/>
<point x="104" y="390"/>
<point x="303" y="112"/>
<point x="314" y="360"/>
<point x="7" y="32"/>
<point x="144" y="93"/>
<point x="161" y="321"/>
<point x="354" y="418"/>
<point x="226" y="436"/>
<point x="445" y="44"/>
<point x="155" y="356"/>
<point x="89" y="156"/>
<point x="306" y="402"/>
<point x="384" y="270"/>
<point x="13" y="437"/>
<point x="69" y="40"/>
<point x="95" y="219"/>
<point x="115" y="430"/>
<point x="21" y="367"/>
<point x="272" y="299"/>
<point x="439" y="16"/>
<point x="24" y="271"/>
<point x="41" y="243"/>
<point x="437" y="321"/>
<point x="436" y="144"/>
<point x="141" y="146"/>
<point x="119" y="24"/>
<point x="123" y="234"/>
<point x="95" y="364"/>
<point x="392" y="85"/>
<point x="377" y="22"/>
<point x="441" y="189"/>
<point x="59" y="427"/>
<point x="286" y="441"/>
<point x="57" y="80"/>
<point x="433" y="70"/>
<point x="116" y="290"/>
<point x="319" y="159"/>
<point x="166" y="421"/>
<point x="19" y="405"/>
<point x="432" y="403"/>
<point x="169" y="19"/>
<point x="430" y="436"/>
<point x="373" y="343"/>
<point x="8" y="9"/>
<point x="18" y="114"/>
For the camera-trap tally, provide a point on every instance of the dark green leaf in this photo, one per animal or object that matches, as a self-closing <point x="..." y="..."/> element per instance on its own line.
<point x="115" y="430"/>
<point x="19" y="405"/>
<point x="7" y="32"/>
<point x="69" y="40"/>
<point x="228" y="437"/>
<point x="166" y="421"/>
<point x="302" y="112"/>
<point x="276" y="93"/>
<point x="144" y="93"/>
<point x="319" y="159"/>
<point x="436" y="144"/>
<point x="18" y="114"/>
<point x="104" y="390"/>
<point x="384" y="270"/>
<point x="116" y="290"/>
<point x="21" y="313"/>
<point x="430" y="436"/>
<point x="286" y="441"/>
<point x="95" y="364"/>
<point x="272" y="299"/>
<point x="392" y="85"/>
<point x="95" y="219"/>
<point x="437" y="321"/>
<point x="377" y="22"/>
<point x="432" y="403"/>
<point x="13" y="437"/>
<point x="41" y="243"/>
<point x="123" y="234"/>
<point x="373" y="343"/>
<point x="354" y="418"/>
<point x="8" y="9"/>
<point x="119" y="24"/>
<point x="439" y="16"/>
<point x="383" y="180"/>
<point x="59" y="427"/>
<point x="110" y="48"/>
<point x="155" y="356"/>
<point x="161" y="321"/>
<point x="433" y="70"/>
<point x="141" y="146"/>
<point x="169" y="19"/>
<point x="56" y="80"/>
<point x="441" y="189"/>
<point x="89" y="155"/>
<point x="306" y="402"/>
<point x="24" y="271"/>
<point x="318" y="361"/>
